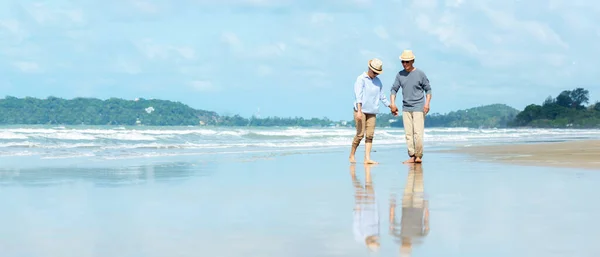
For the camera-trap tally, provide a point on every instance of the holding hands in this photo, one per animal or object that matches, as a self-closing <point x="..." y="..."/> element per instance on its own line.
<point x="394" y="109"/>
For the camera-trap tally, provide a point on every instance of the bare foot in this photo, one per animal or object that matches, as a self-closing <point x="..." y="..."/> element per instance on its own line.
<point x="370" y="162"/>
<point x="410" y="160"/>
<point x="352" y="160"/>
<point x="418" y="160"/>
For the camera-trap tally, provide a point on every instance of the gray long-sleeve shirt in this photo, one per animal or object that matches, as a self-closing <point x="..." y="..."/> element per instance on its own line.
<point x="413" y="85"/>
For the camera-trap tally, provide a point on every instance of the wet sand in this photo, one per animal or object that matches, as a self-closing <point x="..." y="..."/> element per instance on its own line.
<point x="299" y="205"/>
<point x="572" y="154"/>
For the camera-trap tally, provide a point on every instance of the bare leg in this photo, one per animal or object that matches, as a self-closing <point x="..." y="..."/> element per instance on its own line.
<point x="360" y="133"/>
<point x="352" y="153"/>
<point x="368" y="160"/>
<point x="370" y="131"/>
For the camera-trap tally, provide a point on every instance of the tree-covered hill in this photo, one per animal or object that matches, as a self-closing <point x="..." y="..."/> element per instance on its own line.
<point x="487" y="116"/>
<point x="568" y="109"/>
<point x="115" y="111"/>
<point x="92" y="111"/>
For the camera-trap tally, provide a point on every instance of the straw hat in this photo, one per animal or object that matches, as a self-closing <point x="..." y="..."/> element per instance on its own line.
<point x="376" y="65"/>
<point x="407" y="55"/>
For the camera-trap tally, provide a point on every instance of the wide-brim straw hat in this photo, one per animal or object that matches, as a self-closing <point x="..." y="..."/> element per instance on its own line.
<point x="376" y="65"/>
<point x="407" y="55"/>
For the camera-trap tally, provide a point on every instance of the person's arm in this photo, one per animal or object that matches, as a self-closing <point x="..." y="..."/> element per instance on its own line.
<point x="393" y="92"/>
<point x="383" y="98"/>
<point x="427" y="88"/>
<point x="358" y="94"/>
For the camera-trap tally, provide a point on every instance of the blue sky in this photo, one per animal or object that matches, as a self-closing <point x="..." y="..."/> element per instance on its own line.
<point x="296" y="58"/>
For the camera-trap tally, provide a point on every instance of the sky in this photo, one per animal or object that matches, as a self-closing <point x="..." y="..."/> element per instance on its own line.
<point x="297" y="58"/>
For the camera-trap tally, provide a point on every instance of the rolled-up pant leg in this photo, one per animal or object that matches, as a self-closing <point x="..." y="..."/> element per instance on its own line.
<point x="360" y="129"/>
<point x="370" y="127"/>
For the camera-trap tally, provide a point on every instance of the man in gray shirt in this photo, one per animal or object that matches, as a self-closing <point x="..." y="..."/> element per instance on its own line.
<point x="415" y="104"/>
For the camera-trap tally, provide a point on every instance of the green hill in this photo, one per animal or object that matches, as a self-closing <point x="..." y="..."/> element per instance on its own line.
<point x="115" y="111"/>
<point x="487" y="116"/>
<point x="567" y="110"/>
<point x="92" y="111"/>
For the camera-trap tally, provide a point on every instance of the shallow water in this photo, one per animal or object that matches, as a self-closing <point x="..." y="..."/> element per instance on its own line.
<point x="295" y="205"/>
<point x="99" y="143"/>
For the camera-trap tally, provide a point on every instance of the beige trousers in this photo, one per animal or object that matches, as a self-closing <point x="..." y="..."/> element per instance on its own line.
<point x="365" y="125"/>
<point x="413" y="191"/>
<point x="414" y="126"/>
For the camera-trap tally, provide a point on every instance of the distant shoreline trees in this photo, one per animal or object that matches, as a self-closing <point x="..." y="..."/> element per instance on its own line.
<point x="566" y="110"/>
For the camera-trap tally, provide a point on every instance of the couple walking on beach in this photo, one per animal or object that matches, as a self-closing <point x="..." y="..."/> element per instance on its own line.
<point x="416" y="95"/>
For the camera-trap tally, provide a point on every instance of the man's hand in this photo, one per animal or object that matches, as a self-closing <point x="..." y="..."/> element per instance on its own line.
<point x="394" y="109"/>
<point x="426" y="109"/>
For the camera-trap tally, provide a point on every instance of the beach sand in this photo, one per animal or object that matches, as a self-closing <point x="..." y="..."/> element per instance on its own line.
<point x="297" y="205"/>
<point x="572" y="154"/>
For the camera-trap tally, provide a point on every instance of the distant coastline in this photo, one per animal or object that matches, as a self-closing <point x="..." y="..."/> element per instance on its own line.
<point x="567" y="110"/>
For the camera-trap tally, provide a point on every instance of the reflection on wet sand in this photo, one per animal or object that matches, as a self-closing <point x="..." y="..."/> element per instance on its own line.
<point x="413" y="225"/>
<point x="102" y="177"/>
<point x="366" y="213"/>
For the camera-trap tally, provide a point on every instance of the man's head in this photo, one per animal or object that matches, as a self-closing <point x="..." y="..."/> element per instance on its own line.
<point x="375" y="67"/>
<point x="408" y="59"/>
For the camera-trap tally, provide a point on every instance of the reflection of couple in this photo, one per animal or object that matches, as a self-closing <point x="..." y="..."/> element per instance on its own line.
<point x="416" y="96"/>
<point x="366" y="213"/>
<point x="413" y="223"/>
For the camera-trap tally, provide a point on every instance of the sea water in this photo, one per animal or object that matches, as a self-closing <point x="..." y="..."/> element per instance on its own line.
<point x="206" y="191"/>
<point x="110" y="142"/>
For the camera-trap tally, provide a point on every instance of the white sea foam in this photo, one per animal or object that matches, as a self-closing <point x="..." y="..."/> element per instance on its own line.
<point x="125" y="141"/>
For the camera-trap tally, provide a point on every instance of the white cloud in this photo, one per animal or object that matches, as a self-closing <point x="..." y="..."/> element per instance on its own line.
<point x="447" y="32"/>
<point x="145" y="6"/>
<point x="14" y="29"/>
<point x="369" y="54"/>
<point x="450" y="37"/>
<point x="507" y="22"/>
<point x="381" y="32"/>
<point x="403" y="45"/>
<point x="264" y="70"/>
<point x="128" y="67"/>
<point x="232" y="41"/>
<point x="454" y="3"/>
<point x="202" y="85"/>
<point x="321" y="18"/>
<point x="153" y="50"/>
<point x="27" y="67"/>
<point x="185" y="52"/>
<point x="425" y="4"/>
<point x="263" y="2"/>
<point x="46" y="14"/>
<point x="363" y="3"/>
<point x="203" y="69"/>
<point x="270" y="50"/>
